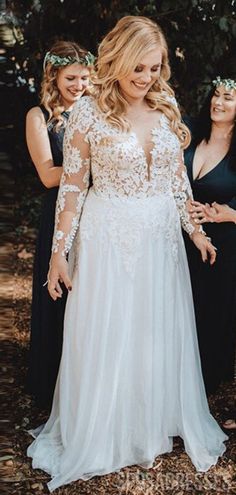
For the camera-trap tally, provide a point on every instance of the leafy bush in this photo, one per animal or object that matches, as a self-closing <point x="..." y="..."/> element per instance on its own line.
<point x="201" y="35"/>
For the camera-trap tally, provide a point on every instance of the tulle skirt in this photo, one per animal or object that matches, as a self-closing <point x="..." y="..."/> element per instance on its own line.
<point x="130" y="377"/>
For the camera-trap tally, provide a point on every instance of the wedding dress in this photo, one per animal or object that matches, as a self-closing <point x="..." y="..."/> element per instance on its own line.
<point x="130" y="377"/>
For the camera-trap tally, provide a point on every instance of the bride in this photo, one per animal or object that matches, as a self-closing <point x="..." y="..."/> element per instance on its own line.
<point x="130" y="377"/>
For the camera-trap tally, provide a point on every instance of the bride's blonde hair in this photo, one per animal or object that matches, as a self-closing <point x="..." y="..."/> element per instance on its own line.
<point x="118" y="54"/>
<point x="50" y="96"/>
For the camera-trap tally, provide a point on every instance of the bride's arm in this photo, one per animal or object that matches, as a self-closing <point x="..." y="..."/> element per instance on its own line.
<point x="183" y="196"/>
<point x="71" y="196"/>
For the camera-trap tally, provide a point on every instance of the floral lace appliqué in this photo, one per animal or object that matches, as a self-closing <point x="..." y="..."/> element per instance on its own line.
<point x="119" y="170"/>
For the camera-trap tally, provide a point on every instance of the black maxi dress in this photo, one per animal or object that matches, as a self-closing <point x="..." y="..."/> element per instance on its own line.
<point x="214" y="287"/>
<point x="47" y="315"/>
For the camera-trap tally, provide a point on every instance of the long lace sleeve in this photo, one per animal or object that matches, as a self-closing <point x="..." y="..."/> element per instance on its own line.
<point x="74" y="183"/>
<point x="183" y="195"/>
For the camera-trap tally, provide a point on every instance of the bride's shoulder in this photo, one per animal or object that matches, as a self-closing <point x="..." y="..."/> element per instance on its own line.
<point x="170" y="98"/>
<point x="83" y="113"/>
<point x="85" y="103"/>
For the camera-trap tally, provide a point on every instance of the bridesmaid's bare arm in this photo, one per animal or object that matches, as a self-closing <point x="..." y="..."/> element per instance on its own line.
<point x="39" y="148"/>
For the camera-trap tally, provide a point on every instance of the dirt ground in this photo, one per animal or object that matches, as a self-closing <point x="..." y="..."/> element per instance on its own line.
<point x="173" y="474"/>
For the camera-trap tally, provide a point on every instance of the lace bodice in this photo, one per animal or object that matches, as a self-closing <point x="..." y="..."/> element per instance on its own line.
<point x="119" y="168"/>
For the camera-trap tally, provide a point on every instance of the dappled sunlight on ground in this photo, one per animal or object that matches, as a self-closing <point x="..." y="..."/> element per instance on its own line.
<point x="172" y="474"/>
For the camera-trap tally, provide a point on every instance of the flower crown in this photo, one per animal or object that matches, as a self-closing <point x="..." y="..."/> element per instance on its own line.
<point x="228" y="83"/>
<point x="58" y="61"/>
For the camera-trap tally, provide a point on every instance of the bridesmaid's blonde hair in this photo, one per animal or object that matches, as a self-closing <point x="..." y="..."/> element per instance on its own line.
<point x="50" y="94"/>
<point x="118" y="54"/>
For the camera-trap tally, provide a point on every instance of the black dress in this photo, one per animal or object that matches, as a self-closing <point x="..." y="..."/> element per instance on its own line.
<point x="214" y="287"/>
<point x="47" y="315"/>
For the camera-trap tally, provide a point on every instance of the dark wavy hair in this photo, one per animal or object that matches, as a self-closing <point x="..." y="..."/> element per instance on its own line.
<point x="204" y="123"/>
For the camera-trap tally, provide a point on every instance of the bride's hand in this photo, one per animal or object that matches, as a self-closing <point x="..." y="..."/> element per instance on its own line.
<point x="205" y="247"/>
<point x="58" y="272"/>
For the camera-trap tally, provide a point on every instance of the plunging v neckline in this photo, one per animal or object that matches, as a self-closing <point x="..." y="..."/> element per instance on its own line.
<point x="197" y="178"/>
<point x="148" y="159"/>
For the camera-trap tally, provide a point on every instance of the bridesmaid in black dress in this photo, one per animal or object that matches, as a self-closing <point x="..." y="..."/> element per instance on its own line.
<point x="66" y="77"/>
<point x="211" y="165"/>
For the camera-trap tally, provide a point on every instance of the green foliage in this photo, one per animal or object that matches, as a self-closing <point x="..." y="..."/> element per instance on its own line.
<point x="199" y="33"/>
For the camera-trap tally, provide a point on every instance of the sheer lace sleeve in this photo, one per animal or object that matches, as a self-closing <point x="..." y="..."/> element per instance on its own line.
<point x="183" y="195"/>
<point x="74" y="181"/>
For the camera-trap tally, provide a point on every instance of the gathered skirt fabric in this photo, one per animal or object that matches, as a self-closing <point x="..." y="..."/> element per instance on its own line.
<point x="130" y="377"/>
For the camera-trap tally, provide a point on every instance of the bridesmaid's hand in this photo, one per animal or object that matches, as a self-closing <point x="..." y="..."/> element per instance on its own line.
<point x="220" y="213"/>
<point x="205" y="247"/>
<point x="58" y="272"/>
<point x="201" y="213"/>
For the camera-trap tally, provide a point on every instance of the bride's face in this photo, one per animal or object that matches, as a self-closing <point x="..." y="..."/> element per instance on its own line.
<point x="140" y="80"/>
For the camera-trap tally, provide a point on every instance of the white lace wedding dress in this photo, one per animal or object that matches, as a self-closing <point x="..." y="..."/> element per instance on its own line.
<point x="130" y="376"/>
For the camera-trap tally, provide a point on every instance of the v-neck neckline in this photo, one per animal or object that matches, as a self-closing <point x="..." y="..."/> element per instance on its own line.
<point x="148" y="160"/>
<point x="196" y="179"/>
<point x="133" y="133"/>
